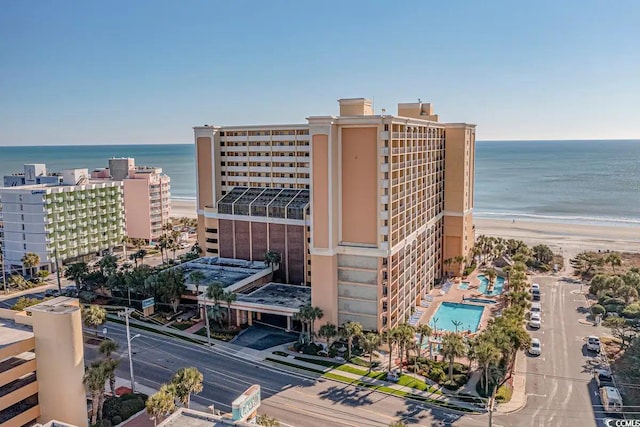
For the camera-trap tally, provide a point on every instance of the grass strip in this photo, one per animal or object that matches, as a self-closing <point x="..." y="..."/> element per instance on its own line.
<point x="145" y="328"/>
<point x="398" y="393"/>
<point x="294" y="365"/>
<point x="327" y="363"/>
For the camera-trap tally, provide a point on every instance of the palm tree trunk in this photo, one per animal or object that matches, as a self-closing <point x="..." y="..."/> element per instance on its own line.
<point x="229" y="315"/>
<point x="451" y="369"/>
<point x="188" y="400"/>
<point x="349" y="343"/>
<point x="370" y="359"/>
<point x="486" y="379"/>
<point x="94" y="407"/>
<point x="112" y="384"/>
<point x="390" y="353"/>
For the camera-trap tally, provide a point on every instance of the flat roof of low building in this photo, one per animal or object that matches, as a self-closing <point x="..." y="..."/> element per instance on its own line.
<point x="11" y="332"/>
<point x="279" y="295"/>
<point x="184" y="417"/>
<point x="227" y="272"/>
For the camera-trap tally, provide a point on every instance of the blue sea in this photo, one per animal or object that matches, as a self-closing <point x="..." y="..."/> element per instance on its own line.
<point x="591" y="182"/>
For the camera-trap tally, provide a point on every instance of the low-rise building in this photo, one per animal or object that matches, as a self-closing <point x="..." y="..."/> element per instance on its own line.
<point x="42" y="365"/>
<point x="35" y="173"/>
<point x="68" y="221"/>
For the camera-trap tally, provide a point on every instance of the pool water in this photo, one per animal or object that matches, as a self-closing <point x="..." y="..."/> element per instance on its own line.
<point x="463" y="286"/>
<point x="497" y="286"/>
<point x="469" y="315"/>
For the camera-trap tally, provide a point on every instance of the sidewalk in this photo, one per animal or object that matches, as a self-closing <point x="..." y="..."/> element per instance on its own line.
<point x="519" y="395"/>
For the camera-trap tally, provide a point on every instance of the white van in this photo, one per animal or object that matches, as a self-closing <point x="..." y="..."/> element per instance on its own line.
<point x="611" y="399"/>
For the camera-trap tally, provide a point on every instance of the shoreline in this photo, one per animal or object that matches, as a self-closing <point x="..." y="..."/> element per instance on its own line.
<point x="569" y="238"/>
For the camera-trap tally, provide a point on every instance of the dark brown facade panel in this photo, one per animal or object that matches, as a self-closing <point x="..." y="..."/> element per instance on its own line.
<point x="259" y="241"/>
<point x="277" y="244"/>
<point x="225" y="239"/>
<point x="295" y="249"/>
<point x="243" y="240"/>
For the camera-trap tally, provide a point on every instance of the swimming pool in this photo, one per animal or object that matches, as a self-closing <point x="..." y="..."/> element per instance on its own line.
<point x="463" y="286"/>
<point x="497" y="285"/>
<point x="469" y="316"/>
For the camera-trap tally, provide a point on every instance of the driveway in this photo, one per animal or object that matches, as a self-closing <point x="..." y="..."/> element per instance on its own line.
<point x="260" y="337"/>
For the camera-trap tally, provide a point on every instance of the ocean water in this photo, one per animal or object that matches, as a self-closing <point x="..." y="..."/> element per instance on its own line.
<point x="592" y="182"/>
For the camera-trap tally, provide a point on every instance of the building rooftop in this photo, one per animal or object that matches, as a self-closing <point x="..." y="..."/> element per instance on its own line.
<point x="11" y="332"/>
<point x="58" y="305"/>
<point x="265" y="202"/>
<point x="227" y="272"/>
<point x="278" y="294"/>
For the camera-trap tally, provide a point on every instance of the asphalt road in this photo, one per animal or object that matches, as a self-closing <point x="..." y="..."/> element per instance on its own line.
<point x="560" y="389"/>
<point x="293" y="399"/>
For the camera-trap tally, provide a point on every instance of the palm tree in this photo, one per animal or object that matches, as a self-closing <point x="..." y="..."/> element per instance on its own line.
<point x="187" y="381"/>
<point x="351" y="330"/>
<point x="447" y="262"/>
<point x="161" y="403"/>
<point x="328" y="331"/>
<point x="272" y="258"/>
<point x="18" y="282"/>
<point x="404" y="337"/>
<point x="94" y="316"/>
<point x="215" y="292"/>
<point x="77" y="272"/>
<point x="30" y="261"/>
<point x="110" y="366"/>
<point x="487" y="354"/>
<point x="424" y="331"/>
<point x="370" y="342"/>
<point x="94" y="379"/>
<point x="389" y="337"/>
<point x="141" y="253"/>
<point x="267" y="421"/>
<point x="107" y="348"/>
<point x="215" y="313"/>
<point x="314" y="313"/>
<point x="614" y="260"/>
<point x="229" y="298"/>
<point x="457" y="324"/>
<point x="460" y="261"/>
<point x="491" y="275"/>
<point x="452" y="347"/>
<point x="196" y="278"/>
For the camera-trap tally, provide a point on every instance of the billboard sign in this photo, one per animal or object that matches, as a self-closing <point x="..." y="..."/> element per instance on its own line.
<point x="149" y="302"/>
<point x="246" y="404"/>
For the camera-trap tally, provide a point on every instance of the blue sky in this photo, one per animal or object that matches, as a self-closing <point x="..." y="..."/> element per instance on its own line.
<point x="122" y="72"/>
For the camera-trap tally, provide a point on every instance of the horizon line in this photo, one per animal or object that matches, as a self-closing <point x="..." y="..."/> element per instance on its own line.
<point x="191" y="143"/>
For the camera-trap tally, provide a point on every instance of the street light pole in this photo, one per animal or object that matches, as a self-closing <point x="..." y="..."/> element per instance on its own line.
<point x="126" y="314"/>
<point x="4" y="278"/>
<point x="206" y="321"/>
<point x="55" y="257"/>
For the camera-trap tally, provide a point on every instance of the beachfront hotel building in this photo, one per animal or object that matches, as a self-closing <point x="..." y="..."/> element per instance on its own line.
<point x="147" y="203"/>
<point x="364" y="207"/>
<point x="42" y="365"/>
<point x="65" y="221"/>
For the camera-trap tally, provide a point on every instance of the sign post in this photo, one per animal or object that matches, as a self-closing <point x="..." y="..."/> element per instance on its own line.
<point x="148" y="306"/>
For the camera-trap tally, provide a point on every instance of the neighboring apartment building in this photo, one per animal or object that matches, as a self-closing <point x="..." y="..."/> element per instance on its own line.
<point x="42" y="367"/>
<point x="147" y="202"/>
<point x="389" y="198"/>
<point x="35" y="173"/>
<point x="76" y="218"/>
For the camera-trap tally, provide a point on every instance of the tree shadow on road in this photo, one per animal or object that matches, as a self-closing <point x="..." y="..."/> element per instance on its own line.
<point x="347" y="395"/>
<point x="421" y="413"/>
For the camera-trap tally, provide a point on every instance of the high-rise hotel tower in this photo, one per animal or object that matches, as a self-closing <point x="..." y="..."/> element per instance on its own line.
<point x="363" y="207"/>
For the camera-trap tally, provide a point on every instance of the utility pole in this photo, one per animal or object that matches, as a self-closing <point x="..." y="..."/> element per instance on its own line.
<point x="125" y="314"/>
<point x="206" y="320"/>
<point x="491" y="402"/>
<point x="4" y="278"/>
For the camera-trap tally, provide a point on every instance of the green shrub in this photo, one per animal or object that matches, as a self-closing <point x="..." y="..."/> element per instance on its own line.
<point x="632" y="311"/>
<point x="460" y="379"/>
<point x="102" y="423"/>
<point x="437" y="374"/>
<point x="116" y="420"/>
<point x="112" y="407"/>
<point x="613" y="308"/>
<point x="450" y="385"/>
<point x="613" y="301"/>
<point x="459" y="368"/>
<point x="597" y="309"/>
<point x="504" y="394"/>
<point x="131" y="407"/>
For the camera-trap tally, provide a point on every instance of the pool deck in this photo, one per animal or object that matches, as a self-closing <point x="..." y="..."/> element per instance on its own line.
<point x="456" y="295"/>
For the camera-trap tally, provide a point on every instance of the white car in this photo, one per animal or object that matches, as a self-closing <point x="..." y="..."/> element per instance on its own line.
<point x="534" y="321"/>
<point x="536" y="347"/>
<point x="535" y="286"/>
<point x="593" y="343"/>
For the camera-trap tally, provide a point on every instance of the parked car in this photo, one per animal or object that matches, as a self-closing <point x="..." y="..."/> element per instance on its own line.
<point x="51" y="293"/>
<point x="535" y="308"/>
<point x="535" y="287"/>
<point x="603" y="377"/>
<point x="611" y="399"/>
<point x="593" y="343"/>
<point x="536" y="347"/>
<point x="534" y="321"/>
<point x="535" y="294"/>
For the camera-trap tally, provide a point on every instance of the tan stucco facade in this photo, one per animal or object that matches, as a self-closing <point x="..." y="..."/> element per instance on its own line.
<point x="391" y="197"/>
<point x="49" y="362"/>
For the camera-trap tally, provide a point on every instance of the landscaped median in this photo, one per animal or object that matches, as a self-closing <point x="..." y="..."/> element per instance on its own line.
<point x="407" y="387"/>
